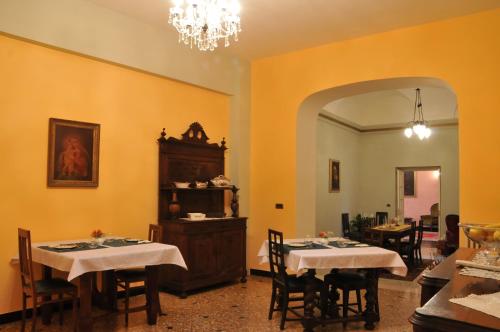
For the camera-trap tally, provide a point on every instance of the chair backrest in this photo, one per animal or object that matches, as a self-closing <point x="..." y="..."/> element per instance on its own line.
<point x="435" y="210"/>
<point x="345" y="224"/>
<point x="276" y="255"/>
<point x="155" y="233"/>
<point x="25" y="261"/>
<point x="452" y="230"/>
<point x="420" y="233"/>
<point x="380" y="217"/>
<point x="413" y="231"/>
<point x="374" y="237"/>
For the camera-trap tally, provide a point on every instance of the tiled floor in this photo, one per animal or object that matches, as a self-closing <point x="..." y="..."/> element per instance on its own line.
<point x="244" y="307"/>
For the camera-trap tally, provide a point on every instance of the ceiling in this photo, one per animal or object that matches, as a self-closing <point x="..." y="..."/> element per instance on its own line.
<point x="273" y="27"/>
<point x="393" y="108"/>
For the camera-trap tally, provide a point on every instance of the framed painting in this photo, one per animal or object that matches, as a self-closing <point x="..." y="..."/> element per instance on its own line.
<point x="409" y="183"/>
<point x="73" y="159"/>
<point x="334" y="186"/>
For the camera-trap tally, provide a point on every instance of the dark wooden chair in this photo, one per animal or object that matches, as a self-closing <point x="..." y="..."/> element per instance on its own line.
<point x="374" y="237"/>
<point x="124" y="278"/>
<point x="346" y="229"/>
<point x="407" y="250"/>
<point x="42" y="291"/>
<point x="347" y="281"/>
<point x="452" y="234"/>
<point x="380" y="217"/>
<point x="287" y="284"/>
<point x="418" y="243"/>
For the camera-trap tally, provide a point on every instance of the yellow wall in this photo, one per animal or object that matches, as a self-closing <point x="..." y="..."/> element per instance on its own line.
<point x="37" y="83"/>
<point x="464" y="52"/>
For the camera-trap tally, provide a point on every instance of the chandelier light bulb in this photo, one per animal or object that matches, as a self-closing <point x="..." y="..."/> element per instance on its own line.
<point x="408" y="132"/>
<point x="428" y="132"/>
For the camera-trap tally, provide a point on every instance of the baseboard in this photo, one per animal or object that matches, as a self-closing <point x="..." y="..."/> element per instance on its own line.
<point x="260" y="273"/>
<point x="17" y="315"/>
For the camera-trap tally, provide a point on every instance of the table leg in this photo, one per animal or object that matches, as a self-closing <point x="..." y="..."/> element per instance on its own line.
<point x="108" y="292"/>
<point x="152" y="293"/>
<point x="334" y="296"/>
<point x="370" y="314"/>
<point x="85" y="313"/>
<point x="309" y="322"/>
<point x="46" y="308"/>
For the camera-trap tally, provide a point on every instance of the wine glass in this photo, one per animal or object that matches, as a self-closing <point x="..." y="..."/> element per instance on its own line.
<point x="308" y="240"/>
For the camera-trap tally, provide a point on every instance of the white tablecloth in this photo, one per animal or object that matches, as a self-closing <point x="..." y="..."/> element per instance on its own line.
<point x="111" y="258"/>
<point x="342" y="258"/>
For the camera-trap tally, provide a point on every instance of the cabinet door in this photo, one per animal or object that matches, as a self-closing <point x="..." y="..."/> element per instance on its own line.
<point x="229" y="252"/>
<point x="202" y="256"/>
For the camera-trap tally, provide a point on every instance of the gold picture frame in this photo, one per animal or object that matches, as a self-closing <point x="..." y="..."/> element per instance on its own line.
<point x="73" y="157"/>
<point x="334" y="178"/>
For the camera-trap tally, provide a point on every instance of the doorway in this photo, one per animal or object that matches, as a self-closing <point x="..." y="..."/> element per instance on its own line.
<point x="418" y="196"/>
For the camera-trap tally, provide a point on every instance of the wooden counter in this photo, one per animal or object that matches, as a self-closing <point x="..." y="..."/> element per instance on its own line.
<point x="438" y="313"/>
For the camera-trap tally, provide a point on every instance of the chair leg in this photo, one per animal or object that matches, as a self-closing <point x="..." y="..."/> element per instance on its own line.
<point x="358" y="299"/>
<point x="345" y="305"/>
<point x="127" y="295"/>
<point x="75" y="311"/>
<point x="33" y="317"/>
<point x="61" y="308"/>
<point x="284" y="309"/>
<point x="23" y="323"/>
<point x="273" y="301"/>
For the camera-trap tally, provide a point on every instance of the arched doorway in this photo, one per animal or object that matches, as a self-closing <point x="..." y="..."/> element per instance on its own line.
<point x="306" y="137"/>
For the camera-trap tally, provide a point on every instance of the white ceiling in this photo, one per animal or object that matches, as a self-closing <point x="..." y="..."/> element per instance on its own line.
<point x="273" y="27"/>
<point x="393" y="108"/>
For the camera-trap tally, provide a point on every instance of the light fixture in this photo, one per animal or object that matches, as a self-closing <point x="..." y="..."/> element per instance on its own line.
<point x="204" y="22"/>
<point x="418" y="126"/>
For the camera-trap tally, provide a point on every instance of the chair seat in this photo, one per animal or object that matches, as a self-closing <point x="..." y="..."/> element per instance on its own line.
<point x="131" y="275"/>
<point x="55" y="285"/>
<point x="347" y="279"/>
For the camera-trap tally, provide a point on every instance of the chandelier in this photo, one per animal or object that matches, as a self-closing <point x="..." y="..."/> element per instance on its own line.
<point x="418" y="126"/>
<point x="204" y="22"/>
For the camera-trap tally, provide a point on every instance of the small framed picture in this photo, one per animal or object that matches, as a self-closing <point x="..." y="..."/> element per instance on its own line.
<point x="409" y="183"/>
<point x="334" y="186"/>
<point x="73" y="159"/>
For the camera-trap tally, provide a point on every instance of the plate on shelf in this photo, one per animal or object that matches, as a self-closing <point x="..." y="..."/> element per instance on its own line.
<point x="297" y="244"/>
<point x="361" y="245"/>
<point x="63" y="246"/>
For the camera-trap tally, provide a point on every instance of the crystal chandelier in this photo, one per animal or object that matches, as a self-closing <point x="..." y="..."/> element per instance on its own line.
<point x="204" y="22"/>
<point x="418" y="126"/>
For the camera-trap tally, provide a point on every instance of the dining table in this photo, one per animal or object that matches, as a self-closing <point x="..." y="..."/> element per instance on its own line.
<point x="81" y="259"/>
<point x="392" y="231"/>
<point x="333" y="255"/>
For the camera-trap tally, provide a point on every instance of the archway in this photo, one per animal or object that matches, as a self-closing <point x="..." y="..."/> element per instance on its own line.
<point x="306" y="137"/>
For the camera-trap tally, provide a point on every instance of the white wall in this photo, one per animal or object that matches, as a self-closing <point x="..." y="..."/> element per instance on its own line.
<point x="378" y="154"/>
<point x="336" y="142"/>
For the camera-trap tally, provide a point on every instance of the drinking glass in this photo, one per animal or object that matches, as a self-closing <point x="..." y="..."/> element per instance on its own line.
<point x="308" y="239"/>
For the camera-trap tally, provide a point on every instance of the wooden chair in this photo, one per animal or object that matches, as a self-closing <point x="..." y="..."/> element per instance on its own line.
<point x="126" y="277"/>
<point x="407" y="249"/>
<point x="418" y="243"/>
<point x="41" y="291"/>
<point x="380" y="217"/>
<point x="287" y="284"/>
<point x="374" y="237"/>
<point x="347" y="281"/>
<point x="346" y="230"/>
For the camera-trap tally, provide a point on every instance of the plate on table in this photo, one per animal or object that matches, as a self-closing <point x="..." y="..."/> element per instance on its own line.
<point x="297" y="244"/>
<point x="351" y="242"/>
<point x="63" y="246"/>
<point x="361" y="245"/>
<point x="132" y="240"/>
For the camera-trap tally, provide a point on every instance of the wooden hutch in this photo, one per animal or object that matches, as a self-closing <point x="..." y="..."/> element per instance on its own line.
<point x="215" y="248"/>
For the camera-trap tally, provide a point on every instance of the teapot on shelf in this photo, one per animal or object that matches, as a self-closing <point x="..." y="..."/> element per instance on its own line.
<point x="221" y="181"/>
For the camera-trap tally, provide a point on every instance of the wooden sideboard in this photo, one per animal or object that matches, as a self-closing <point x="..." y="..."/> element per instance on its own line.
<point x="214" y="249"/>
<point x="443" y="283"/>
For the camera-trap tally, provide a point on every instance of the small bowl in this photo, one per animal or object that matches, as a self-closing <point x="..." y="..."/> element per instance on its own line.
<point x="196" y="216"/>
<point x="181" y="184"/>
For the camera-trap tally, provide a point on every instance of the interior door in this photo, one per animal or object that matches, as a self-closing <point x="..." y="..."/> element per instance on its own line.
<point x="400" y="194"/>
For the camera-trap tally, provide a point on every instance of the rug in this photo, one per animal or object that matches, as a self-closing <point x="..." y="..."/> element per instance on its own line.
<point x="411" y="275"/>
